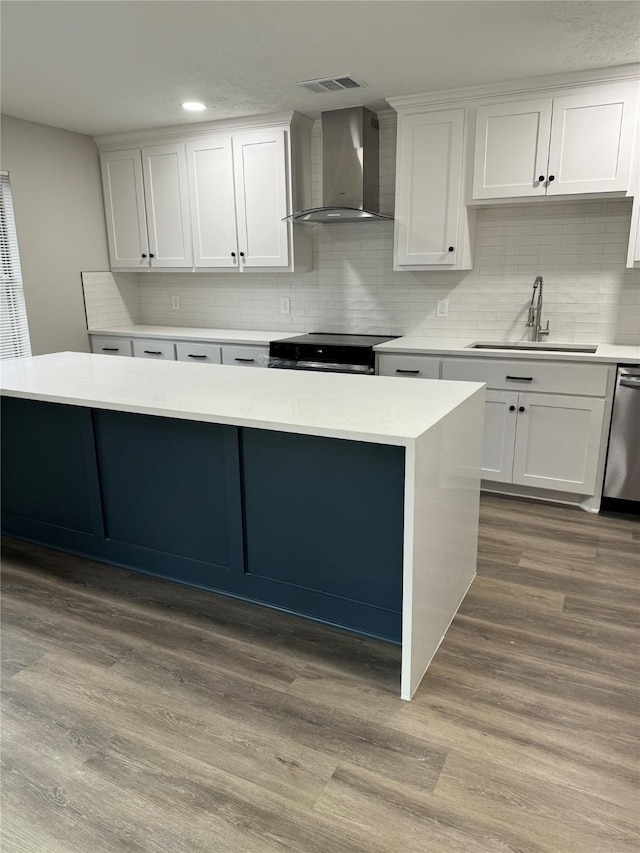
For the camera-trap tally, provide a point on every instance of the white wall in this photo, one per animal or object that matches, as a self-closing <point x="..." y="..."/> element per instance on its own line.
<point x="579" y="248"/>
<point x="55" y="182"/>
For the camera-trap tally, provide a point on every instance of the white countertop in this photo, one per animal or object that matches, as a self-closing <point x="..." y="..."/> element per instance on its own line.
<point x="605" y="353"/>
<point x="362" y="408"/>
<point x="186" y="333"/>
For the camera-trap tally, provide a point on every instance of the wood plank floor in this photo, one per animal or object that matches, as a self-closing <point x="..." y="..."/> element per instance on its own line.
<point x="142" y="716"/>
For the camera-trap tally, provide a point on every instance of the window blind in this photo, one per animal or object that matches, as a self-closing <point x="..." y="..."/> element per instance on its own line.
<point x="14" y="329"/>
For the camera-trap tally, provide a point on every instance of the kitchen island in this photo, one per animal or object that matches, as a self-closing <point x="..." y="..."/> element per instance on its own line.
<point x="352" y="500"/>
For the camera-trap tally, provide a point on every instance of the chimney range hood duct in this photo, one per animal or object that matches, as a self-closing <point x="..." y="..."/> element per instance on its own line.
<point x="350" y="169"/>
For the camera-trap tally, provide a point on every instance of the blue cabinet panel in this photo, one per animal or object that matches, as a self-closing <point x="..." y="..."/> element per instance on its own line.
<point x="325" y="514"/>
<point x="171" y="487"/>
<point x="44" y="472"/>
<point x="305" y="524"/>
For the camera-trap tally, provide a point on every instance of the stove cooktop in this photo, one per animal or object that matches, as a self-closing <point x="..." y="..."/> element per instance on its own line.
<point x="340" y="340"/>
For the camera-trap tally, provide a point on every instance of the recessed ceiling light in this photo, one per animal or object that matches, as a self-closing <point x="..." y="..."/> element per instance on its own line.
<point x="193" y="106"/>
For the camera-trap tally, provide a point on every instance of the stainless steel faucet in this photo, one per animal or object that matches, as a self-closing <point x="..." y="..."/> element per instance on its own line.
<point x="534" y="319"/>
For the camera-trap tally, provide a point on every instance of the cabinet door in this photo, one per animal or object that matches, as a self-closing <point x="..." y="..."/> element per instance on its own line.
<point x="197" y="353"/>
<point x="409" y="366"/>
<point x="213" y="207"/>
<point x="591" y="141"/>
<point x="124" y="209"/>
<point x="167" y="202"/>
<point x="428" y="188"/>
<point x="261" y="198"/>
<point x="500" y="417"/>
<point x="512" y="149"/>
<point x="111" y="346"/>
<point x="245" y="356"/>
<point x="558" y="442"/>
<point x="154" y="349"/>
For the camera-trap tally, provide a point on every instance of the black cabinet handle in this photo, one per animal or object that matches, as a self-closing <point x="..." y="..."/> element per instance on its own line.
<point x="110" y="349"/>
<point x="151" y="255"/>
<point x="521" y="408"/>
<point x="195" y="356"/>
<point x="512" y="408"/>
<point x="541" y="178"/>
<point x="520" y="378"/>
<point x="407" y="371"/>
<point x="242" y="254"/>
<point x="451" y="248"/>
<point x="551" y="178"/>
<point x="153" y="352"/>
<point x="144" y="256"/>
<point x="233" y="254"/>
<point x="247" y="360"/>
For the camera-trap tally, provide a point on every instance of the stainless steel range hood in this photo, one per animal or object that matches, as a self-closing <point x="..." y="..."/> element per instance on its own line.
<point x="350" y="169"/>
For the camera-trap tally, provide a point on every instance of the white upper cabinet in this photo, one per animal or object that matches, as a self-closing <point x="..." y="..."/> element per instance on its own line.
<point x="124" y="209"/>
<point x="238" y="188"/>
<point x="213" y="207"/>
<point x="429" y="208"/>
<point x="512" y="149"/>
<point x="167" y="204"/>
<point x="210" y="197"/>
<point x="261" y="198"/>
<point x="591" y="141"/>
<point x="572" y="144"/>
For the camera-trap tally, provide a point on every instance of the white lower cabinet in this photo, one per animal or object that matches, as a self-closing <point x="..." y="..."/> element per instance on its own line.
<point x="245" y="356"/>
<point x="111" y="346"/>
<point x="409" y="366"/>
<point x="238" y="355"/>
<point x="557" y="442"/>
<point x="198" y="353"/>
<point x="548" y="439"/>
<point x="542" y="440"/>
<point x="499" y="438"/>
<point x="154" y="349"/>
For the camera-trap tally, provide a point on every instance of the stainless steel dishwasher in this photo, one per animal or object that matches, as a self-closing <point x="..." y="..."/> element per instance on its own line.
<point x="622" y="474"/>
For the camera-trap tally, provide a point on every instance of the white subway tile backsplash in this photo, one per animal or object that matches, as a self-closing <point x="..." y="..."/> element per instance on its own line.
<point x="111" y="300"/>
<point x="579" y="247"/>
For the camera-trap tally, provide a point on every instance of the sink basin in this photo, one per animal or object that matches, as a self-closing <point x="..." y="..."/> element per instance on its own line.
<point x="531" y="346"/>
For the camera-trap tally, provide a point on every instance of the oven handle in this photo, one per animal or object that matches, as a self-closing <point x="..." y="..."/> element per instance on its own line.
<point x="319" y="366"/>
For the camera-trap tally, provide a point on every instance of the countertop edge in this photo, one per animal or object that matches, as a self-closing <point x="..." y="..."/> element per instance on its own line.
<point x="276" y="426"/>
<point x="403" y="345"/>
<point x="256" y="337"/>
<point x="464" y="350"/>
<point x="368" y="409"/>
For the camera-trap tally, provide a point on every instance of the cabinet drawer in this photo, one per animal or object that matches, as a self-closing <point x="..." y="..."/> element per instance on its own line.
<point x="203" y="353"/>
<point x="409" y="366"/>
<point x="241" y="356"/>
<point x="111" y="346"/>
<point x="154" y="349"/>
<point x="547" y="376"/>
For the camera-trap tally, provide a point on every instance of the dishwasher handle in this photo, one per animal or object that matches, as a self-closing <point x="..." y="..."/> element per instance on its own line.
<point x="629" y="381"/>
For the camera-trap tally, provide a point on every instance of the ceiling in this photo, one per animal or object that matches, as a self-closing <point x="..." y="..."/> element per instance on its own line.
<point x="101" y="66"/>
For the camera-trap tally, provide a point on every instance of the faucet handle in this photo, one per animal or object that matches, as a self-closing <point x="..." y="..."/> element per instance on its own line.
<point x="544" y="331"/>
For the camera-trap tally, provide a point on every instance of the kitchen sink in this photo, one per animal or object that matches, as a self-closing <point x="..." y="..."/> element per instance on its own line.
<point x="531" y="346"/>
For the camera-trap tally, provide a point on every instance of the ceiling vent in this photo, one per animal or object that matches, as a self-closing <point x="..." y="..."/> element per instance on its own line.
<point x="332" y="84"/>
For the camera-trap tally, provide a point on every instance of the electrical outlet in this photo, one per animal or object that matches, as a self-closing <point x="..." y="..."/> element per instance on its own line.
<point x="175" y="303"/>
<point x="285" y="305"/>
<point x="442" y="310"/>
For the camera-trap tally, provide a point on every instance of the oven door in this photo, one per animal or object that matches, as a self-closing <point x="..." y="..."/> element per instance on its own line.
<point x="319" y="366"/>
